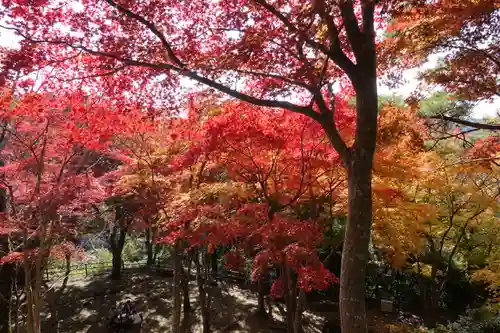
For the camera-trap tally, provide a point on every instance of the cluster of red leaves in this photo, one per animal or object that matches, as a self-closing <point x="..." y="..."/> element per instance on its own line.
<point x="486" y="148"/>
<point x="281" y="157"/>
<point x="57" y="251"/>
<point x="234" y="260"/>
<point x="54" y="145"/>
<point x="309" y="278"/>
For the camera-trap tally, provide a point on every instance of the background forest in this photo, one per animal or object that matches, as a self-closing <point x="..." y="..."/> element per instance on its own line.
<point x="233" y="166"/>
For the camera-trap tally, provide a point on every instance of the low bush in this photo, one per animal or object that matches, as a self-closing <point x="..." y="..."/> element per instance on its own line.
<point x="483" y="320"/>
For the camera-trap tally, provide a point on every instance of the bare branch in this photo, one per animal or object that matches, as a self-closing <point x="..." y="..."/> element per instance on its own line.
<point x="328" y="123"/>
<point x="334" y="51"/>
<point x="491" y="127"/>
<point x="171" y="55"/>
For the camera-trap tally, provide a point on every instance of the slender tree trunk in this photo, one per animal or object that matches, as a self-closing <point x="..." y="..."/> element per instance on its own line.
<point x="18" y="294"/>
<point x="286" y="291"/>
<point x="116" y="269"/>
<point x="204" y="304"/>
<point x="358" y="229"/>
<point x="177" y="285"/>
<point x="149" y="247"/>
<point x="37" y="290"/>
<point x="432" y="300"/>
<point x="6" y="280"/>
<point x="293" y="294"/>
<point x="270" y="306"/>
<point x="28" y="290"/>
<point x="155" y="254"/>
<point x="214" y="264"/>
<point x="185" y="290"/>
<point x="6" y="272"/>
<point x="186" y="276"/>
<point x="261" y="309"/>
<point x="422" y="288"/>
<point x="54" y="295"/>
<point x="297" y="325"/>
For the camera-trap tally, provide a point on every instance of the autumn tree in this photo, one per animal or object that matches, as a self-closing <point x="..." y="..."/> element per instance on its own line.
<point x="398" y="218"/>
<point x="280" y="159"/>
<point x="144" y="179"/>
<point x="48" y="178"/>
<point x="464" y="197"/>
<point x="466" y="33"/>
<point x="268" y="53"/>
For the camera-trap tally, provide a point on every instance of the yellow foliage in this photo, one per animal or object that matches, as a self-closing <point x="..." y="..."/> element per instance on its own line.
<point x="398" y="220"/>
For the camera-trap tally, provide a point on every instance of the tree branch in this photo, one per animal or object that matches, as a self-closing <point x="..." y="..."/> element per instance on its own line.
<point x="491" y="127"/>
<point x="334" y="51"/>
<point x="352" y="29"/>
<point x="171" y="55"/>
<point x="305" y="110"/>
<point x="327" y="121"/>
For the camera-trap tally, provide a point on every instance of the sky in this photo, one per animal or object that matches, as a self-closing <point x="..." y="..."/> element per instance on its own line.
<point x="481" y="111"/>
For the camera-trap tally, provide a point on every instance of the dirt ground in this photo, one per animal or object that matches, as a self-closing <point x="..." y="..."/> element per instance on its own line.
<point x="85" y="304"/>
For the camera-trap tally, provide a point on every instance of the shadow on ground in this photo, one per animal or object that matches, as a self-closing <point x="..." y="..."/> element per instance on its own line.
<point x="85" y="304"/>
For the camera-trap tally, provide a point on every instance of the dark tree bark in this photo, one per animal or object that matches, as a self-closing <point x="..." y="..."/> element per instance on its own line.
<point x="285" y="275"/>
<point x="489" y="127"/>
<point x="6" y="279"/>
<point x="297" y="325"/>
<point x="53" y="295"/>
<point x="214" y="264"/>
<point x="117" y="242"/>
<point x="358" y="229"/>
<point x="177" y="293"/>
<point x="156" y="250"/>
<point x="6" y="272"/>
<point x="116" y="269"/>
<point x="201" y="278"/>
<point x="261" y="309"/>
<point x="149" y="247"/>
<point x="432" y="300"/>
<point x="185" y="276"/>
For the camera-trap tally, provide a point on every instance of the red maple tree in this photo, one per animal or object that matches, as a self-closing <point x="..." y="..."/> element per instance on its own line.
<point x="277" y="54"/>
<point x="50" y="176"/>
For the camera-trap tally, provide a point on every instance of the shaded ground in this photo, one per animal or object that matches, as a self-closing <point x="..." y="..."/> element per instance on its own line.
<point x="86" y="303"/>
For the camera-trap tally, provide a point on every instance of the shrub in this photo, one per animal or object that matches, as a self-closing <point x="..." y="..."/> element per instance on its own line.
<point x="483" y="320"/>
<point x="133" y="250"/>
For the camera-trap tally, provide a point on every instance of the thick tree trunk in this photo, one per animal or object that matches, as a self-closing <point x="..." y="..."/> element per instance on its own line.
<point x="358" y="230"/>
<point x="116" y="269"/>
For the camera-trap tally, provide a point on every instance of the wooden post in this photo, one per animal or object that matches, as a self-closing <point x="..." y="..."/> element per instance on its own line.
<point x="86" y="272"/>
